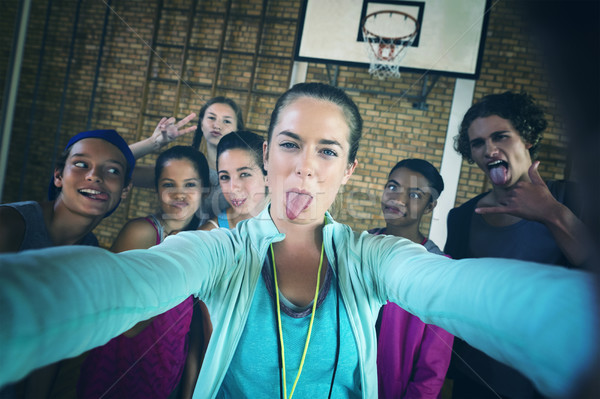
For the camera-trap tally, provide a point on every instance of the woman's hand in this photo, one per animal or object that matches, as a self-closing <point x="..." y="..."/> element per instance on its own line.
<point x="166" y="131"/>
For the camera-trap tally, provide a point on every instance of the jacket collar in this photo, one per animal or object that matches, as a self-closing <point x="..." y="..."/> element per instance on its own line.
<point x="261" y="227"/>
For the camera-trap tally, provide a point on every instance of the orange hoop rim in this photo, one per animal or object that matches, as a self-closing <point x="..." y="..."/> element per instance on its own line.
<point x="393" y="39"/>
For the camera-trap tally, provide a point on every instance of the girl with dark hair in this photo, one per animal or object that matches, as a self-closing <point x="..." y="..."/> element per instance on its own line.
<point x="242" y="178"/>
<point x="412" y="357"/>
<point x="181" y="181"/>
<point x="148" y="360"/>
<point x="216" y="122"/>
<point x="412" y="190"/>
<point x="294" y="295"/>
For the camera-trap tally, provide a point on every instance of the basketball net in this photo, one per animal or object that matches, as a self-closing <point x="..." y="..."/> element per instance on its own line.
<point x="387" y="36"/>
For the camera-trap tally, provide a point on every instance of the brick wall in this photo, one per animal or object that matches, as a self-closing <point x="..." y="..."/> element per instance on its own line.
<point x="393" y="128"/>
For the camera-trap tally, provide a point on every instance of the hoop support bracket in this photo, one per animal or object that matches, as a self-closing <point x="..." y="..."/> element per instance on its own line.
<point x="418" y="101"/>
<point x="425" y="90"/>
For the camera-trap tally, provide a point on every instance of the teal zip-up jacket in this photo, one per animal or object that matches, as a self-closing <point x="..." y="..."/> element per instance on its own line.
<point x="62" y="301"/>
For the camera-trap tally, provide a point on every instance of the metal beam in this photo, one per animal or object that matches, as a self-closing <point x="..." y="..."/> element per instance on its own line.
<point x="33" y="108"/>
<point x="88" y="125"/>
<point x="13" y="75"/>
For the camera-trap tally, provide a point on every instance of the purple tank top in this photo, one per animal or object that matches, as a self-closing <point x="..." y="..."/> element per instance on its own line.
<point x="148" y="365"/>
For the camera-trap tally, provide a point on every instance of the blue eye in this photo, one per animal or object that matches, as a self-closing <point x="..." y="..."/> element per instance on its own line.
<point x="288" y="145"/>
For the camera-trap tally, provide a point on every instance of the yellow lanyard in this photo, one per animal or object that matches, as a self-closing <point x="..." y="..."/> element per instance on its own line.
<point x="312" y="318"/>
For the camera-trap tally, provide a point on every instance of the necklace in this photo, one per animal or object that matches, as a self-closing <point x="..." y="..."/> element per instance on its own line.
<point x="312" y="318"/>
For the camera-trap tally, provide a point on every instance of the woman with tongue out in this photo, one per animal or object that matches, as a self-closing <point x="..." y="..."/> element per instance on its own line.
<point x="294" y="295"/>
<point x="522" y="217"/>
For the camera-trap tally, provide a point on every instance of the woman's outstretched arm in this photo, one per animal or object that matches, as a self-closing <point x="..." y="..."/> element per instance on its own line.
<point x="540" y="319"/>
<point x="59" y="302"/>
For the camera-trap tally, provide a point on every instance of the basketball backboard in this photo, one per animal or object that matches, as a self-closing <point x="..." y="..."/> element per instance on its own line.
<point x="449" y="40"/>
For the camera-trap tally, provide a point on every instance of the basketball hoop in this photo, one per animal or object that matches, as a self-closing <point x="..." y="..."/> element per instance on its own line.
<point x="387" y="35"/>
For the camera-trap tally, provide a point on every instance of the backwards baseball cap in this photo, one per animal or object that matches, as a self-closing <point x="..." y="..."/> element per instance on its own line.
<point x="112" y="137"/>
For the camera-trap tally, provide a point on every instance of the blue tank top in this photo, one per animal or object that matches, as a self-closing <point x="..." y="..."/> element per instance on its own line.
<point x="222" y="219"/>
<point x="254" y="369"/>
<point x="525" y="240"/>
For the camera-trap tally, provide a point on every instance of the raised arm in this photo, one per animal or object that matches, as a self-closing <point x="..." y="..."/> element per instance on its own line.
<point x="167" y="130"/>
<point x="533" y="201"/>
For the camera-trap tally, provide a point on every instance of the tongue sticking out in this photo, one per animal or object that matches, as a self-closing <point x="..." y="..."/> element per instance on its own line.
<point x="499" y="175"/>
<point x="97" y="197"/>
<point x="296" y="203"/>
